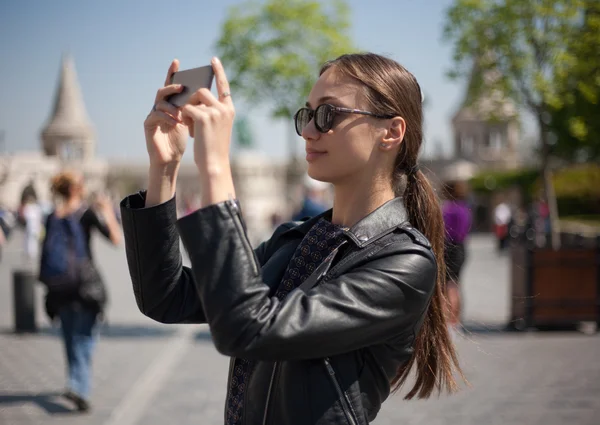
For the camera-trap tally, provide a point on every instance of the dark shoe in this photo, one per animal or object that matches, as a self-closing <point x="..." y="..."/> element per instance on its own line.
<point x="70" y="395"/>
<point x="81" y="404"/>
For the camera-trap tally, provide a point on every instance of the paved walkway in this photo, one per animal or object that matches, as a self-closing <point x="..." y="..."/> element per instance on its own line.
<point x="146" y="373"/>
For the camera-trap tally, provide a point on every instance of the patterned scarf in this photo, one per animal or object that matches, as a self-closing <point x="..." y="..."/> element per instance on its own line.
<point x="318" y="243"/>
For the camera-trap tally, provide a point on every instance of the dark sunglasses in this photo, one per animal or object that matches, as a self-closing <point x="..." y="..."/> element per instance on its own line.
<point x="324" y="116"/>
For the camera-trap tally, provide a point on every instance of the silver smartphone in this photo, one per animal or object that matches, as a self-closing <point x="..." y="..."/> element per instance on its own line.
<point x="192" y="80"/>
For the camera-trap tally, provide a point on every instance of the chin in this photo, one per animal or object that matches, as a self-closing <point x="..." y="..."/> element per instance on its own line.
<point x="321" y="173"/>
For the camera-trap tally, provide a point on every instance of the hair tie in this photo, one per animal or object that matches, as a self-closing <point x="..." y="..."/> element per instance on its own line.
<point x="413" y="170"/>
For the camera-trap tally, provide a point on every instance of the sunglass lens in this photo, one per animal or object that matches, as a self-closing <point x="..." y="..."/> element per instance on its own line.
<point x="324" y="118"/>
<point x="302" y="119"/>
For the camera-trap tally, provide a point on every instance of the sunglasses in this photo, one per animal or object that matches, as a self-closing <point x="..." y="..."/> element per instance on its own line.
<point x="324" y="115"/>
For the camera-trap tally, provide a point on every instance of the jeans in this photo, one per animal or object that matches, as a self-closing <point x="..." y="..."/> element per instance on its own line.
<point x="79" y="336"/>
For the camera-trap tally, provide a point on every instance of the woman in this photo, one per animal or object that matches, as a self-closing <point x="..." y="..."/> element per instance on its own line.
<point x="457" y="220"/>
<point x="326" y="318"/>
<point x="79" y="309"/>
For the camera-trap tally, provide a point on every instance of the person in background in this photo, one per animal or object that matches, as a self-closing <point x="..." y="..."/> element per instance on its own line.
<point x="32" y="217"/>
<point x="502" y="219"/>
<point x="457" y="222"/>
<point x="79" y="312"/>
<point x="313" y="203"/>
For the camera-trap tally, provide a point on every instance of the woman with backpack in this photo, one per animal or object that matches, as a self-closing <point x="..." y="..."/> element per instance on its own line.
<point x="75" y="291"/>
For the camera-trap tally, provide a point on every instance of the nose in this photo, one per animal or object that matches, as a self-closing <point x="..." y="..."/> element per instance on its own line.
<point x="310" y="132"/>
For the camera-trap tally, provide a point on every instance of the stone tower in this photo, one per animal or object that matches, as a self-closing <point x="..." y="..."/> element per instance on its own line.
<point x="68" y="133"/>
<point x="486" y="128"/>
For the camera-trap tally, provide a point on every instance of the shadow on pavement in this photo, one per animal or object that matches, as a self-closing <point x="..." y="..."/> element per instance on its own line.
<point x="497" y="329"/>
<point x="43" y="400"/>
<point x="107" y="330"/>
<point x="485" y="328"/>
<point x="203" y="336"/>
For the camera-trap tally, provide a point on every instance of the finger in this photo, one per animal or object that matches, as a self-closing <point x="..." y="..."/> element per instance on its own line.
<point x="203" y="96"/>
<point x="166" y="107"/>
<point x="221" y="81"/>
<point x="172" y="69"/>
<point x="160" y="117"/>
<point x="193" y="112"/>
<point x="163" y="92"/>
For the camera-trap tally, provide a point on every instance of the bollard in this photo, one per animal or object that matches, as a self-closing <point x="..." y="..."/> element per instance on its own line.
<point x="24" y="300"/>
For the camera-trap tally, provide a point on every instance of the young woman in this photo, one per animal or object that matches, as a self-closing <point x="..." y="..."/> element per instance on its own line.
<point x="328" y="316"/>
<point x="78" y="312"/>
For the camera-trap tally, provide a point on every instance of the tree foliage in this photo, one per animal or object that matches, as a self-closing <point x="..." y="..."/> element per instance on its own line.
<point x="272" y="50"/>
<point x="575" y="122"/>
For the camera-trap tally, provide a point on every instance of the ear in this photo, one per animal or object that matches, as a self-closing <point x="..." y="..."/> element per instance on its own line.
<point x="394" y="133"/>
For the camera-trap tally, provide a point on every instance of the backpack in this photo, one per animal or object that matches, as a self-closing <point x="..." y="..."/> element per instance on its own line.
<point x="64" y="257"/>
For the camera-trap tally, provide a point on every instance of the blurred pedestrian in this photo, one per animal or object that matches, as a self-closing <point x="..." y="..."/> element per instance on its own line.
<point x="32" y="219"/>
<point x="457" y="222"/>
<point x="313" y="201"/>
<point x="502" y="220"/>
<point x="76" y="294"/>
<point x="7" y="223"/>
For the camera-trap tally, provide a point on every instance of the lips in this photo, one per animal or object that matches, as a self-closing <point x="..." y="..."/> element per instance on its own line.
<point x="313" y="154"/>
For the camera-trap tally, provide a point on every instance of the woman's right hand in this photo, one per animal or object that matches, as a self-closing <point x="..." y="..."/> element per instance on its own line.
<point x="166" y="134"/>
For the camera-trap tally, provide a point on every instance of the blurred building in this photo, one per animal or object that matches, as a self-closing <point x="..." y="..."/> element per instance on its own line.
<point x="486" y="132"/>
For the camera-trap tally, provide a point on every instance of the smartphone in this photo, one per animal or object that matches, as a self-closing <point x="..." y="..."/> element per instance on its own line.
<point x="192" y="80"/>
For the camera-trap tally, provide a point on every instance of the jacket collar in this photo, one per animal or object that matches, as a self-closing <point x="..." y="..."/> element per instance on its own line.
<point x="380" y="222"/>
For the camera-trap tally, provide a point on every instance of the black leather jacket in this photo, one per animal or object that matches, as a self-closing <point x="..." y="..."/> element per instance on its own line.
<point x="327" y="352"/>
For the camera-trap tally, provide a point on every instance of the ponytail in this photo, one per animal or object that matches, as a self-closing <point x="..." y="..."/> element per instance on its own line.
<point x="434" y="355"/>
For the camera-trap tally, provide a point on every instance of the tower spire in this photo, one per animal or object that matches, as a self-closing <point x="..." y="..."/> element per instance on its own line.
<point x="68" y="133"/>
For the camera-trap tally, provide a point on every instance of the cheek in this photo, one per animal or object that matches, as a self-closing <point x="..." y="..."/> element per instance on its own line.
<point x="347" y="154"/>
<point x="355" y="145"/>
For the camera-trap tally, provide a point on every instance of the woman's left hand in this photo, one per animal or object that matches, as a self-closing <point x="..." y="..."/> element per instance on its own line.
<point x="210" y="122"/>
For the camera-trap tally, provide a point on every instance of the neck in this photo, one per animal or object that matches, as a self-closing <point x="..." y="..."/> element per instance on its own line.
<point x="354" y="200"/>
<point x="68" y="206"/>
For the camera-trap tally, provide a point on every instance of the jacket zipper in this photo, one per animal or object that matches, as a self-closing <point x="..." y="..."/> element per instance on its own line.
<point x="269" y="393"/>
<point x="235" y="212"/>
<point x="342" y="396"/>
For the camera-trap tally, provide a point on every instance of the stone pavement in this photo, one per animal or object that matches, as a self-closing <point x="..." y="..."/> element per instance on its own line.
<point x="151" y="374"/>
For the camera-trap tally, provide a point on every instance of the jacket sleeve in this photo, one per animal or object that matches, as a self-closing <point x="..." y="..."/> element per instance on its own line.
<point x="385" y="297"/>
<point x="164" y="289"/>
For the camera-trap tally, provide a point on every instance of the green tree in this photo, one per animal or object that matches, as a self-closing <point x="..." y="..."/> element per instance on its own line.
<point x="272" y="50"/>
<point x="525" y="45"/>
<point x="243" y="132"/>
<point x="575" y="122"/>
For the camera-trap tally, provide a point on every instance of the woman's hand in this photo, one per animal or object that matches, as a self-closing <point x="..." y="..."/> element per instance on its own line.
<point x="104" y="205"/>
<point x="166" y="135"/>
<point x="210" y="121"/>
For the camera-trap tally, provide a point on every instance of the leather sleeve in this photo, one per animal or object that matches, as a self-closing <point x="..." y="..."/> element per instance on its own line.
<point x="164" y="289"/>
<point x="386" y="296"/>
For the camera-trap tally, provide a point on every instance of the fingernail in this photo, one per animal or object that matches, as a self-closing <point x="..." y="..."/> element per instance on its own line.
<point x="215" y="60"/>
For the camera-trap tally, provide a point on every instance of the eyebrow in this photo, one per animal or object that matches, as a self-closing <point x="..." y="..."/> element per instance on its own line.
<point x="322" y="100"/>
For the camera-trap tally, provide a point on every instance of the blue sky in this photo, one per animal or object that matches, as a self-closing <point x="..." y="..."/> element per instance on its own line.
<point x="122" y="50"/>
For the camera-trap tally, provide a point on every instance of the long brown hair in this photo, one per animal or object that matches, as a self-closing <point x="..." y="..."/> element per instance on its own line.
<point x="391" y="90"/>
